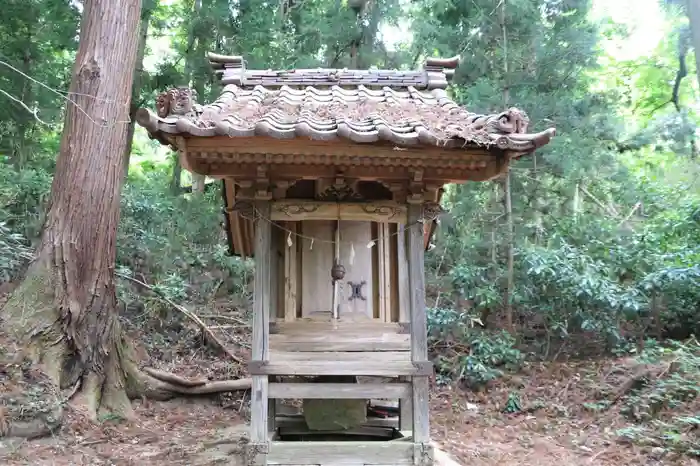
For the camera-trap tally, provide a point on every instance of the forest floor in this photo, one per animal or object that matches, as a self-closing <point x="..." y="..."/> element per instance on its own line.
<point x="552" y="426"/>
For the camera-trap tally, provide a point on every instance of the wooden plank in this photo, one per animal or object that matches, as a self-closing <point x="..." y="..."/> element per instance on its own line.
<point x="297" y="421"/>
<point x="317" y="260"/>
<point x="419" y="328"/>
<point x="339" y="390"/>
<point x="290" y="274"/>
<point x="357" y="260"/>
<point x="271" y="410"/>
<point x="276" y="275"/>
<point x="384" y="271"/>
<point x="386" y="432"/>
<point x="406" y="408"/>
<point x="362" y="367"/>
<point x="404" y="285"/>
<point x="262" y="283"/>
<point x="345" y="326"/>
<point x="394" y="272"/>
<point x="303" y="210"/>
<point x="261" y="317"/>
<point x="381" y="357"/>
<point x="349" y="453"/>
<point x="340" y="342"/>
<point x="235" y="222"/>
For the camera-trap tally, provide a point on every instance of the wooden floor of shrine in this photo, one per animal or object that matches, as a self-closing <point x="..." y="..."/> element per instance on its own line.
<point x="320" y="346"/>
<point x="375" y="351"/>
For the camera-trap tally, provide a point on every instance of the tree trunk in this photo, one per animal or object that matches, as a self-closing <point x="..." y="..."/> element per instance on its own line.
<point x="508" y="291"/>
<point x="693" y="9"/>
<point x="146" y="13"/>
<point x="694" y="19"/>
<point x="176" y="180"/>
<point x="507" y="199"/>
<point x="193" y="80"/>
<point x="25" y="124"/>
<point x="65" y="309"/>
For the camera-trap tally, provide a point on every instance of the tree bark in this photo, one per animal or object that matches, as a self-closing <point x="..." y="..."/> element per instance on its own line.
<point x="193" y="80"/>
<point x="146" y="13"/>
<point x="65" y="309"/>
<point x="176" y="180"/>
<point x="25" y="122"/>
<point x="510" y="264"/>
<point x="693" y="8"/>
<point x="505" y="182"/>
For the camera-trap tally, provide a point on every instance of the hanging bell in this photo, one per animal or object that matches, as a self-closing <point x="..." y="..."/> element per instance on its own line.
<point x="337" y="271"/>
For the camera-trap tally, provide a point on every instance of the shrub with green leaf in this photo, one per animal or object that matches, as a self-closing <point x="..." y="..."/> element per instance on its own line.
<point x="466" y="353"/>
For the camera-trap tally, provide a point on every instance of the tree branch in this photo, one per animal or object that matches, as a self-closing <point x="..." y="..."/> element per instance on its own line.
<point x="190" y="315"/>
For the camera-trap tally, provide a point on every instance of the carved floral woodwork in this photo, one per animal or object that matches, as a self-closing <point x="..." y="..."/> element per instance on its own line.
<point x="381" y="211"/>
<point x="292" y="210"/>
<point x="385" y="211"/>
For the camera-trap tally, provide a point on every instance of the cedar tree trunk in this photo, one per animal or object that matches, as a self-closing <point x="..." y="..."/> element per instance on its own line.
<point x="65" y="309"/>
<point x="146" y="13"/>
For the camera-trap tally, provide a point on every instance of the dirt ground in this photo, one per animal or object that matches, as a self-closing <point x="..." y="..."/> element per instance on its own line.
<point x="471" y="427"/>
<point x="550" y="428"/>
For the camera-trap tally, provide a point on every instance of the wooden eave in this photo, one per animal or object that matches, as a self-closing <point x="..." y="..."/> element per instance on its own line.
<point x="239" y="159"/>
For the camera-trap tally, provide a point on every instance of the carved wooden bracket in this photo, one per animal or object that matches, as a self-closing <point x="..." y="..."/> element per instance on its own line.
<point x="262" y="183"/>
<point x="416" y="187"/>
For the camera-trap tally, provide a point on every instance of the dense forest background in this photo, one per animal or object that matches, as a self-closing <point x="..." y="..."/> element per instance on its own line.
<point x="589" y="248"/>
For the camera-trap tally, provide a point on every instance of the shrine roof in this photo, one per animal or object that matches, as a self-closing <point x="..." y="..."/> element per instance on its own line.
<point x="402" y="108"/>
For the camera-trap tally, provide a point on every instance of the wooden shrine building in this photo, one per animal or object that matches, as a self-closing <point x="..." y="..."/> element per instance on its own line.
<point x="332" y="182"/>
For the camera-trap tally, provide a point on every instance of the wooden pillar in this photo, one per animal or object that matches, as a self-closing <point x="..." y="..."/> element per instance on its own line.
<point x="262" y="309"/>
<point x="419" y="335"/>
<point x="405" y="404"/>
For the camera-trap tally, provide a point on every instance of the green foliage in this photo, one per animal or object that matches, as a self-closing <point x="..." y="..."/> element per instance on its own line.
<point x="466" y="353"/>
<point x="177" y="242"/>
<point x="23" y="196"/>
<point x="22" y="199"/>
<point x="38" y="40"/>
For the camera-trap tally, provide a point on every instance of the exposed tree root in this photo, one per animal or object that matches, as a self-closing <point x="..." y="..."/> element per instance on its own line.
<point x="174" y="379"/>
<point x="180" y="386"/>
<point x="94" y="374"/>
